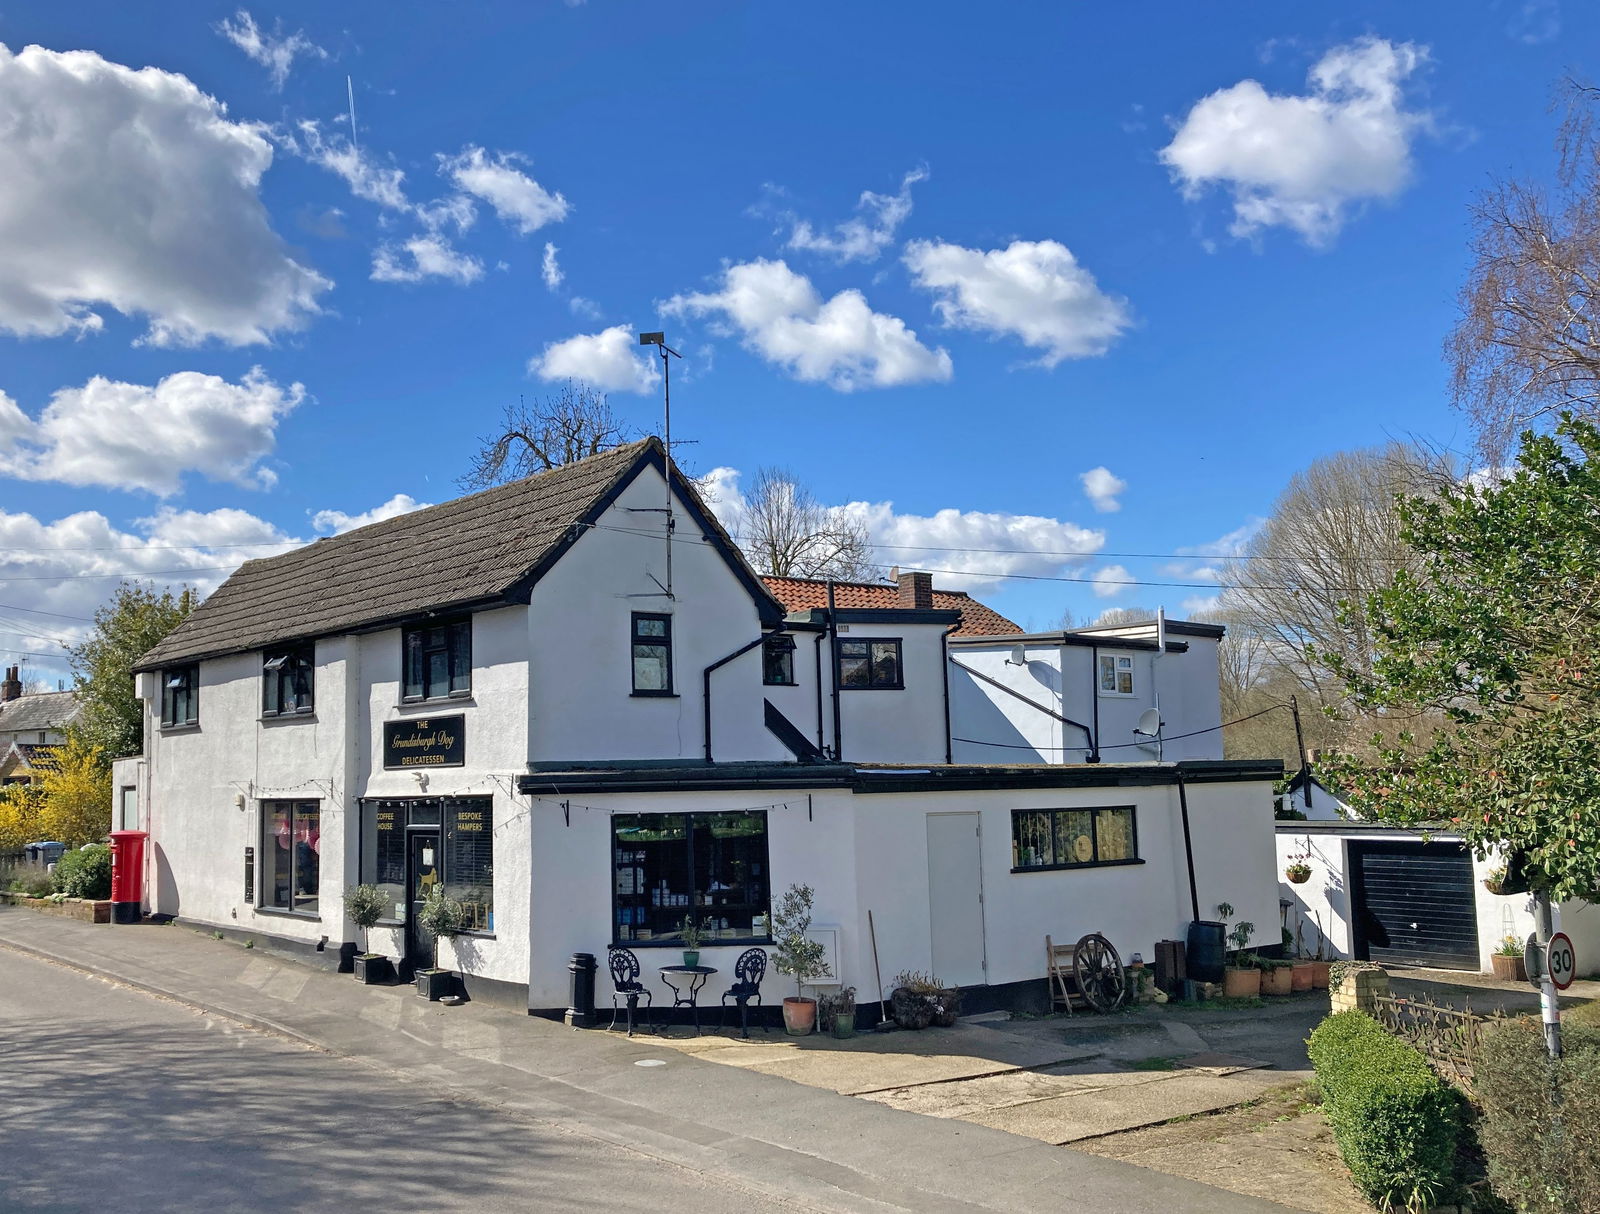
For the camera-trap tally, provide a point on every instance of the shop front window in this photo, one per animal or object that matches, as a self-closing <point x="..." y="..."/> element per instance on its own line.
<point x="293" y="846"/>
<point x="466" y="825"/>
<point x="706" y="866"/>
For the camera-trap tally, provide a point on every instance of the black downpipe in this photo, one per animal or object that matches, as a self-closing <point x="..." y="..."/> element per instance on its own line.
<point x="833" y="660"/>
<point x="817" y="651"/>
<point x="944" y="669"/>
<point x="1012" y="691"/>
<point x="1094" y="702"/>
<point x="1188" y="843"/>
<point x="705" y="676"/>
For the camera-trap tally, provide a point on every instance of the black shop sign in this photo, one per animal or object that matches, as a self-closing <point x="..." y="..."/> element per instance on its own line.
<point x="425" y="742"/>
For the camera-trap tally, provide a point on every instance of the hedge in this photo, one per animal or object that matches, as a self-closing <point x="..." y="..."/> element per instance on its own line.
<point x="1396" y="1122"/>
<point x="84" y="873"/>
<point x="1540" y="1119"/>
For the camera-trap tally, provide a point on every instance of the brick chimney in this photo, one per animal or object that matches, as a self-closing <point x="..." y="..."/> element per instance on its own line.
<point x="916" y="590"/>
<point x="11" y="688"/>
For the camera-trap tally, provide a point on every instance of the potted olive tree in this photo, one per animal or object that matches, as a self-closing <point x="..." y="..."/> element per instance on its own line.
<point x="365" y="905"/>
<point x="1242" y="977"/>
<point x="443" y="916"/>
<point x="799" y="956"/>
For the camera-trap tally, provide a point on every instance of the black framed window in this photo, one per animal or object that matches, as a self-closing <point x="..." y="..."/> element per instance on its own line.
<point x="438" y="659"/>
<point x="292" y="844"/>
<point x="467" y="834"/>
<point x="1116" y="674"/>
<point x="286" y="680"/>
<point x="652" y="654"/>
<point x="180" y="695"/>
<point x="777" y="661"/>
<point x="870" y="663"/>
<point x="706" y="866"/>
<point x="1073" y="838"/>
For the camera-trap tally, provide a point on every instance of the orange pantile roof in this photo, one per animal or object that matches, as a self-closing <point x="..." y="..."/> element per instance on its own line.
<point x="802" y="594"/>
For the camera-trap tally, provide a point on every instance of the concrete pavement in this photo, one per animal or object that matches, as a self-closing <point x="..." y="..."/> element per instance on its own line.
<point x="788" y="1142"/>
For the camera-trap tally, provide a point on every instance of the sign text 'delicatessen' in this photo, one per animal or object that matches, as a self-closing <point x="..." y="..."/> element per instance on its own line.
<point x="425" y="742"/>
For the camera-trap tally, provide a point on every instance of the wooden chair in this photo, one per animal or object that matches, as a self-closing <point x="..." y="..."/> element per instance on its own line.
<point x="1064" y="990"/>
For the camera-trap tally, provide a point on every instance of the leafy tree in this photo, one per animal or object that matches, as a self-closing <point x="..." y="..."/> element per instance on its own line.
<point x="1484" y="666"/>
<point x="125" y="629"/>
<point x="76" y="791"/>
<point x="572" y="425"/>
<point x="21" y="808"/>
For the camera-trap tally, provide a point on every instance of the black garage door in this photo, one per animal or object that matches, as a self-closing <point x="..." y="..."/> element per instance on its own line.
<point x="1414" y="904"/>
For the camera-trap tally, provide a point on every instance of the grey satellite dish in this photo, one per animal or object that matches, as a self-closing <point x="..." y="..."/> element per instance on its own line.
<point x="1019" y="656"/>
<point x="1149" y="725"/>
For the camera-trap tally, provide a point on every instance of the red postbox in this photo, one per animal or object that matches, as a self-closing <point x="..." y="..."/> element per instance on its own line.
<point x="127" y="875"/>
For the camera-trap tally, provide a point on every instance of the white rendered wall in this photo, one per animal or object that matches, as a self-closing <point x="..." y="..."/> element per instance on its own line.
<point x="882" y="725"/>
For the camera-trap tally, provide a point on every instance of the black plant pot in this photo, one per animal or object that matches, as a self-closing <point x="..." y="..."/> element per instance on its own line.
<point x="435" y="984"/>
<point x="373" y="969"/>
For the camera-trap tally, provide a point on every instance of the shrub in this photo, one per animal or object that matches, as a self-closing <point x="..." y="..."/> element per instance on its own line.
<point x="84" y="873"/>
<point x="365" y="904"/>
<point x="1540" y="1123"/>
<point x="1396" y="1122"/>
<point x="34" y="882"/>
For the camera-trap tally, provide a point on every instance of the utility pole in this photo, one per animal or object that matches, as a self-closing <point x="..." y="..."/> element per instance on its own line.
<point x="1300" y="743"/>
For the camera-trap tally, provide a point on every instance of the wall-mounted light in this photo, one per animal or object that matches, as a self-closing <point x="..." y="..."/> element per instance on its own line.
<point x="422" y="780"/>
<point x="238" y="800"/>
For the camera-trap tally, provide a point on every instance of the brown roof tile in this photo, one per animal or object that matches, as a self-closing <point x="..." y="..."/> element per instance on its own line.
<point x="803" y="594"/>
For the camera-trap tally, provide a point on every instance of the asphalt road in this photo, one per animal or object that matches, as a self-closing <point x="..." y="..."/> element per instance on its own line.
<point x="113" y="1100"/>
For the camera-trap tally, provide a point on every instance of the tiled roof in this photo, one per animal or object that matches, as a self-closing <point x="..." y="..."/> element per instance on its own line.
<point x="475" y="550"/>
<point x="48" y="710"/>
<point x="802" y="594"/>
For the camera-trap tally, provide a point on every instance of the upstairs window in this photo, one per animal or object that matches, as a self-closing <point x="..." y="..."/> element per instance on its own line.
<point x="286" y="681"/>
<point x="1116" y="675"/>
<point x="777" y="661"/>
<point x="870" y="663"/>
<point x="180" y="695"/>
<point x="652" y="654"/>
<point x="438" y="659"/>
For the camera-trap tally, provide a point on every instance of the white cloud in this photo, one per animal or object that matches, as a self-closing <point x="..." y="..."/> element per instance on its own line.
<point x="517" y="199"/>
<point x="424" y="257"/>
<point x="1033" y="290"/>
<point x="968" y="549"/>
<point x="272" y="51"/>
<point x="132" y="190"/>
<point x="609" y="360"/>
<point x="551" y="269"/>
<point x="1102" y="489"/>
<point x="587" y="308"/>
<point x="1110" y="581"/>
<point x="1212" y="557"/>
<point x="337" y="522"/>
<point x="367" y="179"/>
<point x="1303" y="162"/>
<point x="841" y="342"/>
<point x="864" y="237"/>
<point x="139" y="437"/>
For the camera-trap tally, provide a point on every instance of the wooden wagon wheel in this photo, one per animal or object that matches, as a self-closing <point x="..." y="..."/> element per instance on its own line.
<point x="1099" y="973"/>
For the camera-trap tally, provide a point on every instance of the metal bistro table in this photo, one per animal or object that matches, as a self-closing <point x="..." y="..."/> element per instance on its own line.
<point x="697" y="975"/>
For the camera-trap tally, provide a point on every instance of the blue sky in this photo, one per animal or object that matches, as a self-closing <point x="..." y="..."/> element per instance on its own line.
<point x="941" y="261"/>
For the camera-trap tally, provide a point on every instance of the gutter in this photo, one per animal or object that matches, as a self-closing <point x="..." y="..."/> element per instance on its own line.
<point x="705" y="676"/>
<point x="1093" y="747"/>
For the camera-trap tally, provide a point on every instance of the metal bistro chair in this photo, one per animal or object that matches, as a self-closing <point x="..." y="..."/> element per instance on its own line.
<point x="624" y="968"/>
<point x="748" y="972"/>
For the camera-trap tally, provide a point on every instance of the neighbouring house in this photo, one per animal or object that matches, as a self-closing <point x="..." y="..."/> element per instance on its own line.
<point x="26" y="762"/>
<point x="1314" y="799"/>
<point x="571" y="703"/>
<point x="32" y="725"/>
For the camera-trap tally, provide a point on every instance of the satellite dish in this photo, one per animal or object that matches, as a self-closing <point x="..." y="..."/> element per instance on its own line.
<point x="1149" y="723"/>
<point x="1019" y="656"/>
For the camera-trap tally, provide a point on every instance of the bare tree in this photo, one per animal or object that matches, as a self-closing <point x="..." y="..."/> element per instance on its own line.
<point x="574" y="424"/>
<point x="786" y="532"/>
<point x="1527" y="345"/>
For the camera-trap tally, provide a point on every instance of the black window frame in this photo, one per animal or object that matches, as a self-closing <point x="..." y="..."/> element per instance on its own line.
<point x="662" y="642"/>
<point x="172" y="690"/>
<point x="1057" y="813"/>
<point x="280" y="668"/>
<point x="456" y="646"/>
<point x="873" y="683"/>
<point x="268" y="889"/>
<point x="449" y="816"/>
<point x="622" y="858"/>
<point x="780" y="648"/>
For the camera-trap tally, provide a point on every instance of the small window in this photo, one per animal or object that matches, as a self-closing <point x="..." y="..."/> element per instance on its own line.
<point x="870" y="663"/>
<point x="777" y="661"/>
<point x="180" y="695"/>
<point x="438" y="659"/>
<point x="286" y="681"/>
<point x="293" y="846"/>
<point x="652" y="654"/>
<point x="1116" y="675"/>
<point x="128" y="815"/>
<point x="1073" y="838"/>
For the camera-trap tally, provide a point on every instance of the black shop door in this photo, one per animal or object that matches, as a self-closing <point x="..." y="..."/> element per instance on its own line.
<point x="422" y="874"/>
<point x="1414" y="904"/>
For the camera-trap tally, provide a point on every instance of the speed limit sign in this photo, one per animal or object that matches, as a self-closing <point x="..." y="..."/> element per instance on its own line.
<point x="1563" y="962"/>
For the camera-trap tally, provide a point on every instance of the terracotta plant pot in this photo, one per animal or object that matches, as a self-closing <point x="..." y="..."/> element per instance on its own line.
<point x="1241" y="983"/>
<point x="1319" y="975"/>
<point x="1279" y="980"/>
<point x="1301" y="976"/>
<point x="1510" y="969"/>
<point x="799" y="1016"/>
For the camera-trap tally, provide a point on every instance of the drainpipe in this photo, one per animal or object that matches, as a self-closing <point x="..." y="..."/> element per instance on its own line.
<point x="944" y="669"/>
<point x="1094" y="701"/>
<point x="1188" y="843"/>
<point x="833" y="658"/>
<point x="816" y="650"/>
<point x="705" y="676"/>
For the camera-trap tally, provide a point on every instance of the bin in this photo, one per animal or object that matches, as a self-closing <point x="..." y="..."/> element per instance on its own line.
<point x="127" y="875"/>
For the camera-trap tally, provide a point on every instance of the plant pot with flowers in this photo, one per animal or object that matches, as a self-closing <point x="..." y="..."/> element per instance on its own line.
<point x="1507" y="961"/>
<point x="1241" y="979"/>
<point x="1495" y="879"/>
<point x="1298" y="873"/>
<point x="799" y="956"/>
<point x="365" y="904"/>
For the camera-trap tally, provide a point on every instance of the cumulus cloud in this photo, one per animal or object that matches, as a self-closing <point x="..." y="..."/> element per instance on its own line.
<point x="1102" y="489"/>
<point x="367" y="178"/>
<point x="141" y="437"/>
<point x="423" y="257"/>
<point x="1110" y="581"/>
<point x="1033" y="290"/>
<point x="968" y="549"/>
<point x="133" y="190"/>
<point x="517" y="199"/>
<point x="551" y="269"/>
<point x="864" y="236"/>
<point x="272" y="51"/>
<point x="337" y="522"/>
<point x="609" y="360"/>
<point x="840" y="342"/>
<point x="1303" y="162"/>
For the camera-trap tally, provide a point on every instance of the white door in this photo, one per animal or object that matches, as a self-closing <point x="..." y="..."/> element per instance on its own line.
<point x="955" y="898"/>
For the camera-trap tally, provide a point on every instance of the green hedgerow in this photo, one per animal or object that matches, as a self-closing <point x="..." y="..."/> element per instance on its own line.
<point x="84" y="873"/>
<point x="1396" y="1121"/>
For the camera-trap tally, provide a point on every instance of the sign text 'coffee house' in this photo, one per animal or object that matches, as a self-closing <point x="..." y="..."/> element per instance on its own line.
<point x="425" y="742"/>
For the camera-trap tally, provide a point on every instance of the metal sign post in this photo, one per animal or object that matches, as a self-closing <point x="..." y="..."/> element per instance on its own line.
<point x="1541" y="948"/>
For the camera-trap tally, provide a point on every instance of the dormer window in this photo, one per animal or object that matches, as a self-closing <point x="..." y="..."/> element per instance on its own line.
<point x="286" y="681"/>
<point x="1116" y="674"/>
<point x="777" y="661"/>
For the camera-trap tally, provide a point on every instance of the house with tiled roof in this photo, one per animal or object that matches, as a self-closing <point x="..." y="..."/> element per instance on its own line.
<point x="570" y="704"/>
<point x="33" y="717"/>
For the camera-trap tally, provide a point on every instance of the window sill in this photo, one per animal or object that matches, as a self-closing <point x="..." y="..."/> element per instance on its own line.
<point x="1119" y="695"/>
<point x="872" y="686"/>
<point x="653" y="695"/>
<point x="679" y="947"/>
<point x="1067" y="868"/>
<point x="281" y="718"/>
<point x="283" y="913"/>
<point x="438" y="702"/>
<point x="190" y="727"/>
